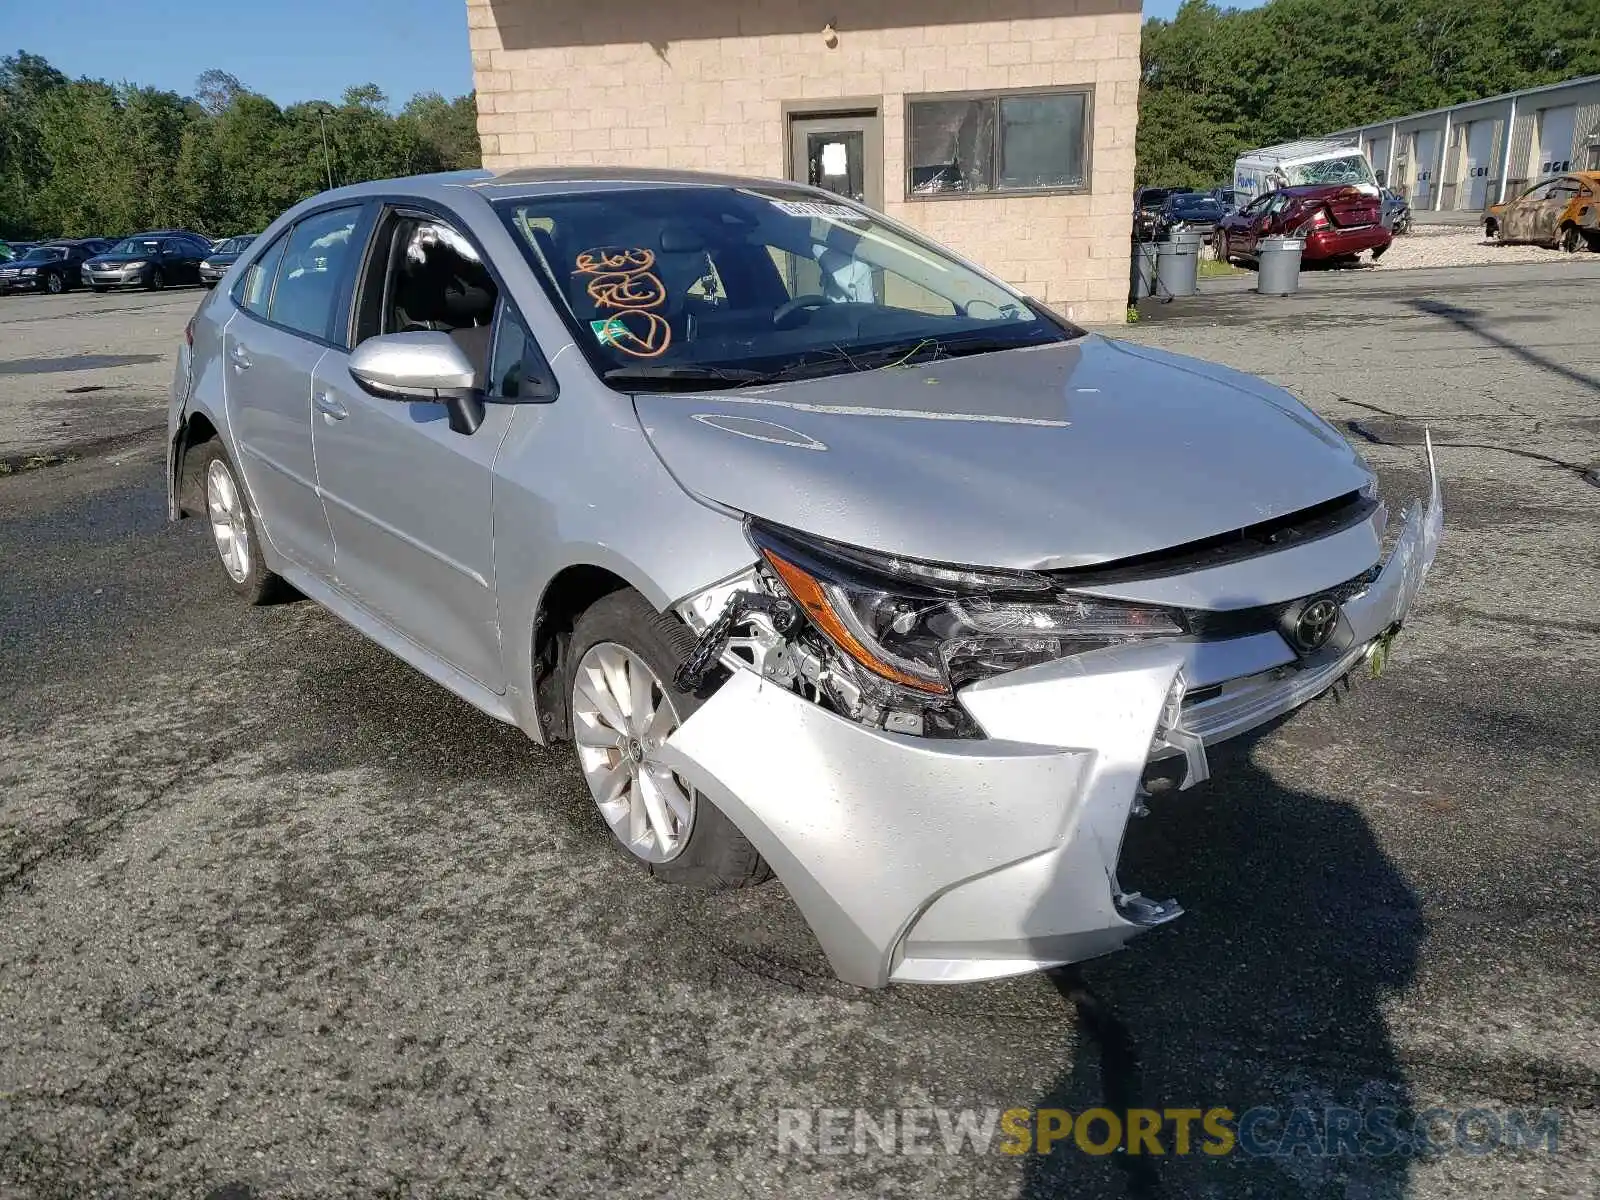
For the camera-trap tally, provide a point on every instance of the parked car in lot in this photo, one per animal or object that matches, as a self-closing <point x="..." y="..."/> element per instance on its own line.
<point x="223" y="255"/>
<point x="1192" y="212"/>
<point x="1147" y="202"/>
<point x="52" y="267"/>
<point x="1395" y="212"/>
<point x="147" y="260"/>
<point x="1337" y="221"/>
<point x="655" y="462"/>
<point x="1563" y="211"/>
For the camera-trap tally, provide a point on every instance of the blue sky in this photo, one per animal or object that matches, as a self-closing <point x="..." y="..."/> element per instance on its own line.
<point x="290" y="49"/>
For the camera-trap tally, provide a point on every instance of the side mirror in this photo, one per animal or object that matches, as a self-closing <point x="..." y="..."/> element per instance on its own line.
<point x="425" y="366"/>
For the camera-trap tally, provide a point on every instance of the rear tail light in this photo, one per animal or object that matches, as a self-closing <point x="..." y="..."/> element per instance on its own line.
<point x="1319" y="219"/>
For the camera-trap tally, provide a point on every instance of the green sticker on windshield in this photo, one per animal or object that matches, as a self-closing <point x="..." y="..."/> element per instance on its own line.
<point x="609" y="331"/>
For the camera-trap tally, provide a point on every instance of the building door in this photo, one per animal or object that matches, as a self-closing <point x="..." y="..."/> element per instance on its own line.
<point x="1427" y="159"/>
<point x="1480" y="146"/>
<point x="1556" y="127"/>
<point x="1378" y="156"/>
<point x="842" y="152"/>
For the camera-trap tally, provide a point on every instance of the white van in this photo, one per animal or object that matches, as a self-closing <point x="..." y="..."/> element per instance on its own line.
<point x="1320" y="160"/>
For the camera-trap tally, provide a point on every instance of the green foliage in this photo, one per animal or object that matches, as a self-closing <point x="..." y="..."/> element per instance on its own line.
<point x="1218" y="81"/>
<point x="81" y="157"/>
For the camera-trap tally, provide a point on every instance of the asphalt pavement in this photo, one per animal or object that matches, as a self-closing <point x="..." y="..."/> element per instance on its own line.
<point x="281" y="918"/>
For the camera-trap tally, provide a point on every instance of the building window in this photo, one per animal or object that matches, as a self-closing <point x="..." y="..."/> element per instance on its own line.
<point x="974" y="145"/>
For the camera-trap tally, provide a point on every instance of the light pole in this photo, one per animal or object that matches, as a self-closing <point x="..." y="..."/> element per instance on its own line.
<point x="327" y="162"/>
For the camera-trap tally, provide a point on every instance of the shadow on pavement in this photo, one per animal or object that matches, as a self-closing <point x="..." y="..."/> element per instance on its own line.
<point x="1470" y="320"/>
<point x="1269" y="991"/>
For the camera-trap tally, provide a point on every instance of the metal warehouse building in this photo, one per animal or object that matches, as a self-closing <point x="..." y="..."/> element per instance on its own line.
<point x="1461" y="159"/>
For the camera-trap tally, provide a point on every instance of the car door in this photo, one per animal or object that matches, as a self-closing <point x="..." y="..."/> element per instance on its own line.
<point x="410" y="500"/>
<point x="1518" y="222"/>
<point x="1547" y="218"/>
<point x="272" y="346"/>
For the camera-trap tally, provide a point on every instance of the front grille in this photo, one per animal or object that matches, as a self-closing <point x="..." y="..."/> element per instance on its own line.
<point x="1214" y="626"/>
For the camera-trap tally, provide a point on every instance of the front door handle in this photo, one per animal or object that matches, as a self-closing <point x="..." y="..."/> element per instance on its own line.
<point x="330" y="406"/>
<point x="240" y="357"/>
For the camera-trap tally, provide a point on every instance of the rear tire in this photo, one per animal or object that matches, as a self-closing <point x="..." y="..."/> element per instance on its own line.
<point x="620" y="634"/>
<point x="228" y="508"/>
<point x="1491" y="230"/>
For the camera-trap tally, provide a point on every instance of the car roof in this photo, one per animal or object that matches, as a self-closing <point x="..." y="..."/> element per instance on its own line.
<point x="532" y="181"/>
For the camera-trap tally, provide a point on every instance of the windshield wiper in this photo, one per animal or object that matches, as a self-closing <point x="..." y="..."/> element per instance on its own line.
<point x="686" y="375"/>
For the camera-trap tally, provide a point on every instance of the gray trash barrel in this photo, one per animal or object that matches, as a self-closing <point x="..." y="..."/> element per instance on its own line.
<point x="1279" y="274"/>
<point x="1143" y="280"/>
<point x="1178" y="265"/>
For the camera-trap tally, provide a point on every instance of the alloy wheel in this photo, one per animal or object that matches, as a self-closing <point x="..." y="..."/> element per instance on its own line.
<point x="621" y="716"/>
<point x="230" y="526"/>
<point x="53" y="284"/>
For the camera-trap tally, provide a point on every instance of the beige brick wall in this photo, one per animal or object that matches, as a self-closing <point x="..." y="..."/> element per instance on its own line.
<point x="703" y="83"/>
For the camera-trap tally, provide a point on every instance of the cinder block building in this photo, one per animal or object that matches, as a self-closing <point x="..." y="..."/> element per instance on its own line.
<point x="1003" y="128"/>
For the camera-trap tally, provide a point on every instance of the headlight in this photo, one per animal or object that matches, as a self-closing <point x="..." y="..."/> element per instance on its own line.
<point x="29" y="271"/>
<point x="934" y="629"/>
<point x="132" y="266"/>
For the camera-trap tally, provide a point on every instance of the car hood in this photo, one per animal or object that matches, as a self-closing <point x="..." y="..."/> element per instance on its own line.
<point x="1054" y="456"/>
<point x="111" y="260"/>
<point x="221" y="260"/>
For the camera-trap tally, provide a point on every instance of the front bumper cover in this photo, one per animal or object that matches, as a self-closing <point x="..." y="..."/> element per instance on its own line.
<point x="920" y="860"/>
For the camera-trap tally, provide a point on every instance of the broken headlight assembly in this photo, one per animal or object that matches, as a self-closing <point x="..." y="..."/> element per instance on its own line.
<point x="889" y="641"/>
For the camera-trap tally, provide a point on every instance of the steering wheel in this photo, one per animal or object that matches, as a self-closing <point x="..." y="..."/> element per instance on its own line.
<point x="789" y="307"/>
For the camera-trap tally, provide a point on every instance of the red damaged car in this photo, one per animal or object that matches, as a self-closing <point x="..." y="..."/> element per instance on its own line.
<point x="1338" y="221"/>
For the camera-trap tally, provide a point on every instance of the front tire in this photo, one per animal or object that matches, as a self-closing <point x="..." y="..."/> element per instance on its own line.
<point x="1572" y="239"/>
<point x="54" y="284"/>
<point x="157" y="280"/>
<point x="234" y="532"/>
<point x="623" y="707"/>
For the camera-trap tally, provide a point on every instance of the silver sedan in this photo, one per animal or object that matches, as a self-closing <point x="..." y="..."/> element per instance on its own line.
<point x="834" y="556"/>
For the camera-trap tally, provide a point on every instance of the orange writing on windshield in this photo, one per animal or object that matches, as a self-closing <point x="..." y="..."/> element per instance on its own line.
<point x="621" y="280"/>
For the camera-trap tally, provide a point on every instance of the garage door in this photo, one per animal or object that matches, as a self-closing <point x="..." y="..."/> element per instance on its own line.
<point x="1555" y="140"/>
<point x="1427" y="165"/>
<point x="1378" y="156"/>
<point x="1480" y="145"/>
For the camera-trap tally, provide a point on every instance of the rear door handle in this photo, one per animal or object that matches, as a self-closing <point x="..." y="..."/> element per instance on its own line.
<point x="330" y="406"/>
<point x="240" y="357"/>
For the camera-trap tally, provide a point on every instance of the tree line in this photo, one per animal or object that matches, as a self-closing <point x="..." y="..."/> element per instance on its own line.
<point x="1218" y="81"/>
<point x="82" y="157"/>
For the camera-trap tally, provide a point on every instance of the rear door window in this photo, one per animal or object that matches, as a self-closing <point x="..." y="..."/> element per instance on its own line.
<point x="254" y="291"/>
<point x="314" y="261"/>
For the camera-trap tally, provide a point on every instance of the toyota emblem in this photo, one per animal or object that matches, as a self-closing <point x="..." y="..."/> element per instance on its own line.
<point x="1316" y="623"/>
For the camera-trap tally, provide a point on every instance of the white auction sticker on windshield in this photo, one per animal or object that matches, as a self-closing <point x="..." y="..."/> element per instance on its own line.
<point x="820" y="208"/>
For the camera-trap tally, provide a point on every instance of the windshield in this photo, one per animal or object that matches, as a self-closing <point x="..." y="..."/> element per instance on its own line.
<point x="45" y="254"/>
<point x="136" y="246"/>
<point x="233" y="245"/>
<point x="1353" y="168"/>
<point x="709" y="285"/>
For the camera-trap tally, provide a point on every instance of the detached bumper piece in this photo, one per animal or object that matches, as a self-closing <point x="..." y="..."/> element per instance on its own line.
<point x="926" y="860"/>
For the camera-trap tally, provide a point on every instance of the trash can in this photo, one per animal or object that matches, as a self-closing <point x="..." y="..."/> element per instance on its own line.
<point x="1279" y="259"/>
<point x="1143" y="281"/>
<point x="1178" y="264"/>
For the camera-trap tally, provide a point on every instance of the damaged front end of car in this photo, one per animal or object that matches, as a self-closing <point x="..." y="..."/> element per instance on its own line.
<point x="940" y="762"/>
